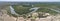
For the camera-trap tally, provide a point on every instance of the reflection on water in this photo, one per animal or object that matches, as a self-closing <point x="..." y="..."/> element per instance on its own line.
<point x="12" y="10"/>
<point x="34" y="9"/>
<point x="55" y="10"/>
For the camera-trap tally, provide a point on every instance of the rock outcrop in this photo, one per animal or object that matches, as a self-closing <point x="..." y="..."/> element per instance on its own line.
<point x="5" y="17"/>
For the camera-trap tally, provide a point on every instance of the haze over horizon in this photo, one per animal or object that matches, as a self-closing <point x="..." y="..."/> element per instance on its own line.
<point x="31" y="0"/>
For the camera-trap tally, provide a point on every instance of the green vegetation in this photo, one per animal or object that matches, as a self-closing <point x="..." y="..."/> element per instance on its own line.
<point x="46" y="10"/>
<point x="21" y="10"/>
<point x="24" y="9"/>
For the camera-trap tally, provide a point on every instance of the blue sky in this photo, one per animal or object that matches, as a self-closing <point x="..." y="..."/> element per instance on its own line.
<point x="32" y="0"/>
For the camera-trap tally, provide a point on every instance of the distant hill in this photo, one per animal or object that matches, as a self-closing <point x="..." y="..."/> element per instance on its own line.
<point x="17" y="3"/>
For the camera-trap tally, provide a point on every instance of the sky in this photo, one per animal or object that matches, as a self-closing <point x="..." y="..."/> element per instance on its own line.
<point x="32" y="0"/>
